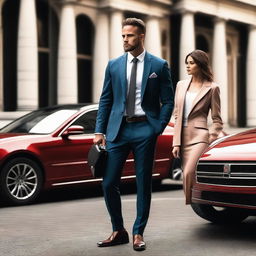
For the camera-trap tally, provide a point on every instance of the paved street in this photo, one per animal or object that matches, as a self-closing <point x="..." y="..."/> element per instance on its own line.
<point x="70" y="222"/>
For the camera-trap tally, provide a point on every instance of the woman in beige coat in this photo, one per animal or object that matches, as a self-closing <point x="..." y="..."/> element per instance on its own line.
<point x="194" y="98"/>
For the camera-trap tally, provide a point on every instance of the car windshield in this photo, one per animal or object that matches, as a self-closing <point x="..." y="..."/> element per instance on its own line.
<point x="39" y="122"/>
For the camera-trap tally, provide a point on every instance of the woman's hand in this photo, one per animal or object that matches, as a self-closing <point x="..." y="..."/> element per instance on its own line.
<point x="176" y="152"/>
<point x="212" y="138"/>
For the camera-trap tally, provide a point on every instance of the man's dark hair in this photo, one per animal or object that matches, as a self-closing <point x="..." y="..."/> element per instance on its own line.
<point x="135" y="22"/>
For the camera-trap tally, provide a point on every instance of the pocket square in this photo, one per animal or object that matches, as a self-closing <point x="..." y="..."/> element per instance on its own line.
<point x="153" y="75"/>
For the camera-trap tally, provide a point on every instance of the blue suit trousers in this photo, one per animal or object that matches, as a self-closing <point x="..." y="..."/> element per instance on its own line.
<point x="140" y="138"/>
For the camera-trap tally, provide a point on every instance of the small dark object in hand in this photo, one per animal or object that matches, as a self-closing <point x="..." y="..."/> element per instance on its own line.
<point x="176" y="170"/>
<point x="97" y="157"/>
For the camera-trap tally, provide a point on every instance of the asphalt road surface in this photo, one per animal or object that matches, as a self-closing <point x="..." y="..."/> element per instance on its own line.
<point x="69" y="222"/>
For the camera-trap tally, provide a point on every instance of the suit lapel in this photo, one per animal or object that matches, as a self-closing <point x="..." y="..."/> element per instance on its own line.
<point x="122" y="72"/>
<point x="204" y="90"/>
<point x="146" y="71"/>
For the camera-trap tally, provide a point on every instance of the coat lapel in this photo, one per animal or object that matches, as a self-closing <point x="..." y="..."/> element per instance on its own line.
<point x="204" y="90"/>
<point x="122" y="72"/>
<point x="146" y="71"/>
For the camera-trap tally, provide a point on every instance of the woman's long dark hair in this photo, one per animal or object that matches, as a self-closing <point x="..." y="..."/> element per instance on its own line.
<point x="202" y="61"/>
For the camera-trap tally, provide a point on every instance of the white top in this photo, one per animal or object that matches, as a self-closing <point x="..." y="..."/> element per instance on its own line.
<point x="190" y="96"/>
<point x="140" y="68"/>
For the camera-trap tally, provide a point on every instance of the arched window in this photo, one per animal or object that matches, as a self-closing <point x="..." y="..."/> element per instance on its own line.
<point x="10" y="14"/>
<point x="229" y="48"/>
<point x="164" y="44"/>
<point x="202" y="43"/>
<point x="85" y="35"/>
<point x="47" y="30"/>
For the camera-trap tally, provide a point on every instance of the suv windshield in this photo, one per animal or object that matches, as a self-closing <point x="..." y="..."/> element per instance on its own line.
<point x="39" y="121"/>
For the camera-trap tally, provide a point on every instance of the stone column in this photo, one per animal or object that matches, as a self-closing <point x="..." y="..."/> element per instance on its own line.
<point x="27" y="57"/>
<point x="101" y="53"/>
<point x="67" y="57"/>
<point x="116" y="42"/>
<point x="220" y="64"/>
<point x="153" y="36"/>
<point x="187" y="41"/>
<point x="251" y="78"/>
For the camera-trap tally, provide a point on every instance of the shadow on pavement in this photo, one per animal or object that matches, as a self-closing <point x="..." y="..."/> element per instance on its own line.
<point x="81" y="192"/>
<point x="245" y="231"/>
<point x="93" y="191"/>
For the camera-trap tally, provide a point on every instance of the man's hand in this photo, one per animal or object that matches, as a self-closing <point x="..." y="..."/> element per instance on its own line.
<point x="99" y="139"/>
<point x="176" y="152"/>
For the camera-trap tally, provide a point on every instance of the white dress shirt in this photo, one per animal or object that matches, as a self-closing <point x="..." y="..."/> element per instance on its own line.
<point x="140" y="68"/>
<point x="190" y="96"/>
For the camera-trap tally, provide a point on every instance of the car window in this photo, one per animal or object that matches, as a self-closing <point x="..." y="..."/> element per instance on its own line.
<point x="39" y="122"/>
<point x="88" y="121"/>
<point x="51" y="122"/>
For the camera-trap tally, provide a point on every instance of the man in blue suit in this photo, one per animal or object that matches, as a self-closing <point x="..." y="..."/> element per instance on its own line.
<point x="135" y="106"/>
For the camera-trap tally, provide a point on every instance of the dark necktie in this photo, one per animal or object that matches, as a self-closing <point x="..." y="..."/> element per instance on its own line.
<point x="130" y="106"/>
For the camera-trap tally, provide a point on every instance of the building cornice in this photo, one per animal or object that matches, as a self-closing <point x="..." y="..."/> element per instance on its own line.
<point x="88" y="3"/>
<point x="226" y="9"/>
<point x="158" y="8"/>
<point x="248" y="2"/>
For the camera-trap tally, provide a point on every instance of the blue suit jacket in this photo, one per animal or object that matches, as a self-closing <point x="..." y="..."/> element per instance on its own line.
<point x="156" y="95"/>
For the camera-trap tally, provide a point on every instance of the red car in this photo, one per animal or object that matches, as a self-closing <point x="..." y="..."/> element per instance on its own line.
<point x="48" y="148"/>
<point x="225" y="189"/>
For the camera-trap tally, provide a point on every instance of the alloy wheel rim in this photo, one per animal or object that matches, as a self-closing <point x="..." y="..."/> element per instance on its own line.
<point x="21" y="181"/>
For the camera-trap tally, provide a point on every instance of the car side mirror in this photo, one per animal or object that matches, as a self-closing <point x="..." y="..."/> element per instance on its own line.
<point x="73" y="130"/>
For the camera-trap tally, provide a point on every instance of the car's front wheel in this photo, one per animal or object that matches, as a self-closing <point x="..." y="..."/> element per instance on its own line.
<point x="219" y="215"/>
<point x="21" y="181"/>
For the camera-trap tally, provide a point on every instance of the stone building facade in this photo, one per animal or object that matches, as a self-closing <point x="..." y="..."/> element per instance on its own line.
<point x="56" y="51"/>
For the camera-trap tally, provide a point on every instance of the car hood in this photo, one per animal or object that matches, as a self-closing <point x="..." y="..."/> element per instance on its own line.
<point x="237" y="147"/>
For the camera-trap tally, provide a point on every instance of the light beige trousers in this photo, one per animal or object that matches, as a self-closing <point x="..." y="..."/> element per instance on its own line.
<point x="190" y="155"/>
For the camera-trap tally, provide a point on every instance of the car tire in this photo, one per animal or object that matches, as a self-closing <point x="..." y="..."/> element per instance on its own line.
<point x="175" y="170"/>
<point x="21" y="181"/>
<point x="177" y="174"/>
<point x="156" y="183"/>
<point x="219" y="215"/>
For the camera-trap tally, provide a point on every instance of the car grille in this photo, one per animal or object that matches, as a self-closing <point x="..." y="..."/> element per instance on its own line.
<point x="227" y="173"/>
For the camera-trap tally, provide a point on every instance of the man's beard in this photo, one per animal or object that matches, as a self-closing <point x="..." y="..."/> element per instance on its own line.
<point x="130" y="48"/>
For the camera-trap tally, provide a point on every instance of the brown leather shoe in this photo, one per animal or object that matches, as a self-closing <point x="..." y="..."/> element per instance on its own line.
<point x="138" y="243"/>
<point x="116" y="238"/>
